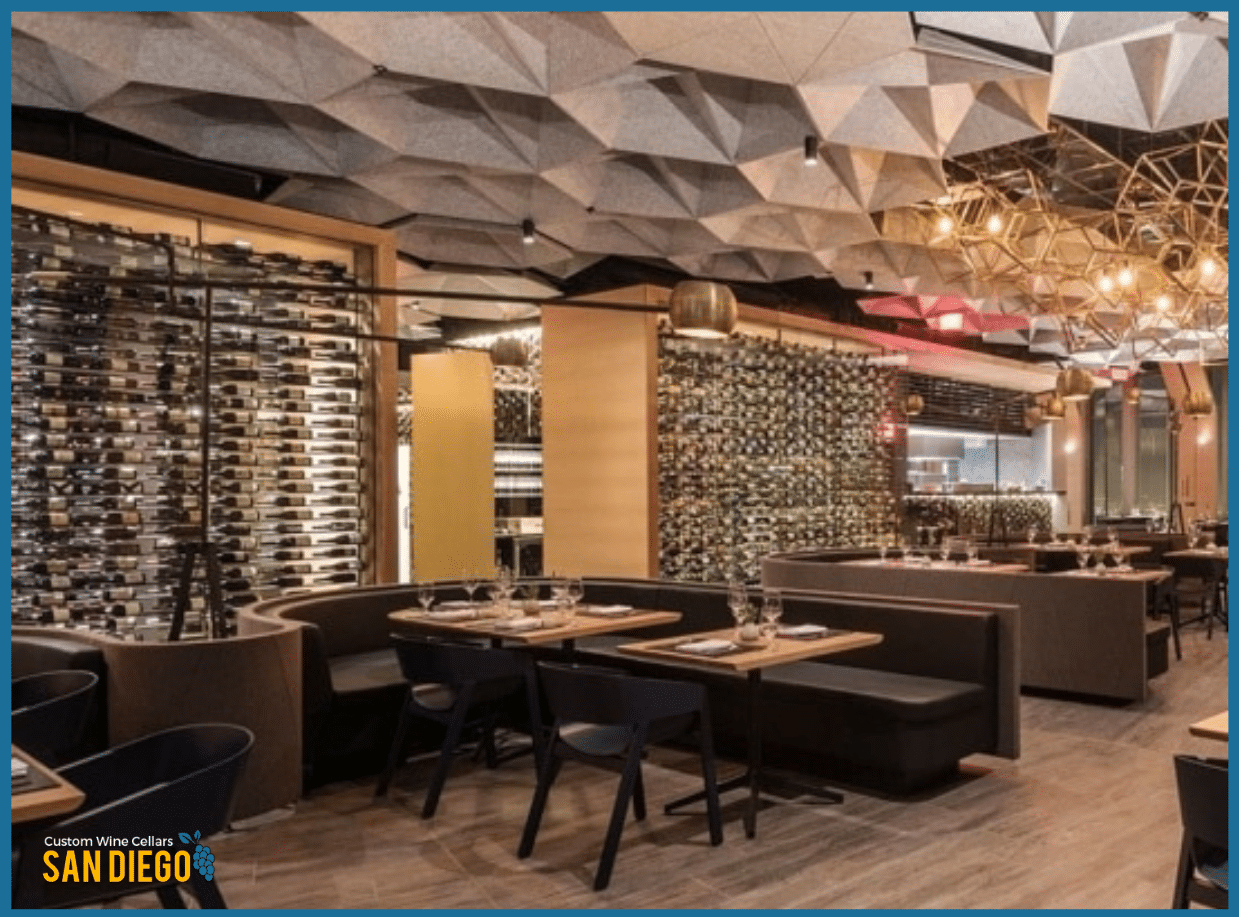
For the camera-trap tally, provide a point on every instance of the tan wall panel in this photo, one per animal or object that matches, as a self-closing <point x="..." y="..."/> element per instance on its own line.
<point x="598" y="438"/>
<point x="1197" y="454"/>
<point x="453" y="487"/>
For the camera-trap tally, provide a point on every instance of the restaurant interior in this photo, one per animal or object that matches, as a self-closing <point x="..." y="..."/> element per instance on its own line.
<point x="620" y="459"/>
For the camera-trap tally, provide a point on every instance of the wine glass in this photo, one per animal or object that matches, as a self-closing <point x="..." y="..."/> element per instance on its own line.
<point x="738" y="602"/>
<point x="469" y="582"/>
<point x="971" y="551"/>
<point x="425" y="595"/>
<point x="905" y="547"/>
<point x="771" y="611"/>
<point x="882" y="551"/>
<point x="1082" y="555"/>
<point x="574" y="591"/>
<point x="945" y="551"/>
<point x="559" y="588"/>
<point x="1032" y="534"/>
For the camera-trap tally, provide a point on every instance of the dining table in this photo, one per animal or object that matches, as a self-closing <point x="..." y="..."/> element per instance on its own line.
<point x="966" y="566"/>
<point x="1213" y="727"/>
<point x="38" y="792"/>
<point x="722" y="650"/>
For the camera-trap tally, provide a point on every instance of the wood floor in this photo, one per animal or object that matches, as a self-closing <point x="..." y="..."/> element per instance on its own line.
<point x="1086" y="818"/>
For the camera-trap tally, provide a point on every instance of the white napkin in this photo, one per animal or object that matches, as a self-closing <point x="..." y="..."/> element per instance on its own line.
<point x="455" y="603"/>
<point x="19" y="767"/>
<point x="518" y="624"/>
<point x="707" y="647"/>
<point x="603" y="611"/>
<point x="451" y="614"/>
<point x="802" y="630"/>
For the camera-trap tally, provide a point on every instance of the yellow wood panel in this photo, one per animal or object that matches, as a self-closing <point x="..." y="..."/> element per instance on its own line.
<point x="1198" y="446"/>
<point x="453" y="486"/>
<point x="598" y="436"/>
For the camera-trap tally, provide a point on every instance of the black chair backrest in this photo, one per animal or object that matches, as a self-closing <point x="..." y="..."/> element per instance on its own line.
<point x="1202" y="785"/>
<point x="579" y="694"/>
<point x="180" y="780"/>
<point x="49" y="711"/>
<point x="1202" y="568"/>
<point x="427" y="660"/>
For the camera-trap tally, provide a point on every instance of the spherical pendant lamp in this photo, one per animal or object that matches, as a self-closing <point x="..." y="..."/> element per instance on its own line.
<point x="1055" y="407"/>
<point x="703" y="309"/>
<point x="1074" y="384"/>
<point x="1198" y="404"/>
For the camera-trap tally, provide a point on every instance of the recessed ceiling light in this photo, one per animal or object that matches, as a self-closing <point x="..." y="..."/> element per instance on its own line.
<point x="810" y="151"/>
<point x="527" y="232"/>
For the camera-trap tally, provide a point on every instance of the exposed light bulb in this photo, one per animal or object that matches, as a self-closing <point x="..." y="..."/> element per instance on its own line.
<point x="1105" y="284"/>
<point x="1126" y="277"/>
<point x="994" y="223"/>
<point x="945" y="224"/>
<point x="810" y="151"/>
<point x="1208" y="267"/>
<point x="1162" y="302"/>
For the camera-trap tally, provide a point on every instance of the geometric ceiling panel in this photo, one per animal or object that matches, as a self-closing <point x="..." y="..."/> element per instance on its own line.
<point x="680" y="138"/>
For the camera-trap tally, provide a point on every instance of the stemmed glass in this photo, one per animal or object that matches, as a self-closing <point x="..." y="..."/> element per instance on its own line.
<point x="1032" y="534"/>
<point x="905" y="547"/>
<point x="470" y="582"/>
<point x="574" y="591"/>
<point x="945" y="551"/>
<point x="1082" y="555"/>
<point x="882" y="551"/>
<point x="971" y="551"/>
<point x="771" y="611"/>
<point x="738" y="602"/>
<point x="425" y="595"/>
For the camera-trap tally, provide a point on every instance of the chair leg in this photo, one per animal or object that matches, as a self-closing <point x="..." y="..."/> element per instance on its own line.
<point x="638" y="797"/>
<point x="207" y="893"/>
<point x="610" y="847"/>
<point x="1172" y="610"/>
<point x="397" y="747"/>
<point x="488" y="741"/>
<point x="1183" y="876"/>
<point x="550" y="770"/>
<point x="170" y="897"/>
<point x="447" y="754"/>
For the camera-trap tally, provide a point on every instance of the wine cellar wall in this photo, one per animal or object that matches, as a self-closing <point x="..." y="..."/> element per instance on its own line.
<point x="769" y="446"/>
<point x="114" y="335"/>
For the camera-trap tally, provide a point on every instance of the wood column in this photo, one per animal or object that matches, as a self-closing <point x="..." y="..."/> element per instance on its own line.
<point x="599" y="440"/>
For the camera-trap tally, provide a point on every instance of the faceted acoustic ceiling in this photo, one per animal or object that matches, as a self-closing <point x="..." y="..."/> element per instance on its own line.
<point x="743" y="146"/>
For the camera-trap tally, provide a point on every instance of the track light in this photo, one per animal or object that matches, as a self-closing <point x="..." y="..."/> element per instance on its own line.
<point x="868" y="275"/>
<point x="527" y="232"/>
<point x="810" y="151"/>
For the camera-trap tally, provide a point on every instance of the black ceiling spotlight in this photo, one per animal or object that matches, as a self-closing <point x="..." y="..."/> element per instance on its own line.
<point x="527" y="232"/>
<point x="868" y="275"/>
<point x="810" y="151"/>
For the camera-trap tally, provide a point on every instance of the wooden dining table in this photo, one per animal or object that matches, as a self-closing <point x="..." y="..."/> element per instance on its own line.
<point x="751" y="661"/>
<point x="42" y="793"/>
<point x="1213" y="727"/>
<point x="532" y="629"/>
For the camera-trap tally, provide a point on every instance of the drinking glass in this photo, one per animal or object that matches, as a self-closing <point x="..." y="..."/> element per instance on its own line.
<point x="905" y="547"/>
<point x="971" y="551"/>
<point x="738" y="602"/>
<point x="470" y="582"/>
<point x="1032" y="534"/>
<point x="1082" y="555"/>
<point x="425" y="595"/>
<point x="882" y="552"/>
<point x="771" y="611"/>
<point x="945" y="551"/>
<point x="559" y="588"/>
<point x="575" y="591"/>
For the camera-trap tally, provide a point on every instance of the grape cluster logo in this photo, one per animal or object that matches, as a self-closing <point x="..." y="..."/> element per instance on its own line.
<point x="204" y="860"/>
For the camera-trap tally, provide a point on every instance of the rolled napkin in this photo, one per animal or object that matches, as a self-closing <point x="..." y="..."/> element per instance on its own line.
<point x="604" y="611"/>
<point x="451" y="614"/>
<point x="707" y="647"/>
<point x="803" y="631"/>
<point x="518" y="624"/>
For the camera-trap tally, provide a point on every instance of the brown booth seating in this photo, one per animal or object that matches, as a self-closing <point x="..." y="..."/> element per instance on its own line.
<point x="899" y="716"/>
<point x="34" y="654"/>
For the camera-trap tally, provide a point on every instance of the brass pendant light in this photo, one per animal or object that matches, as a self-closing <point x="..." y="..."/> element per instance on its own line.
<point x="1055" y="408"/>
<point x="1074" y="384"/>
<point x="1033" y="415"/>
<point x="703" y="309"/>
<point x="913" y="404"/>
<point x="1132" y="395"/>
<point x="509" y="351"/>
<point x="1198" y="404"/>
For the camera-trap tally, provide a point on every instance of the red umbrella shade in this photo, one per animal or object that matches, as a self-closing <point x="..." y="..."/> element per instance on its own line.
<point x="943" y="313"/>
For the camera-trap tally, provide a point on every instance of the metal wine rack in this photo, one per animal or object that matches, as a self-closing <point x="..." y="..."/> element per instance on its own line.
<point x="166" y="395"/>
<point x="767" y="446"/>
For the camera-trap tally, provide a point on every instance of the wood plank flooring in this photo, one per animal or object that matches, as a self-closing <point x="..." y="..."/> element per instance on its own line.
<point x="1086" y="818"/>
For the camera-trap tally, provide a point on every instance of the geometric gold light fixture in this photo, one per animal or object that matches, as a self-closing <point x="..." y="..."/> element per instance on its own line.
<point x="509" y="351"/>
<point x="913" y="404"/>
<point x="1055" y="408"/>
<point x="1074" y="384"/>
<point x="703" y="309"/>
<point x="1198" y="404"/>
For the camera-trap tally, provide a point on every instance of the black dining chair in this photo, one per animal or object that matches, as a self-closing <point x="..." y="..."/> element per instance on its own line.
<point x="1200" y="583"/>
<point x="180" y="780"/>
<point x="1202" y="875"/>
<point x="606" y="718"/>
<point x="49" y="712"/>
<point x="1160" y="598"/>
<point x="462" y="686"/>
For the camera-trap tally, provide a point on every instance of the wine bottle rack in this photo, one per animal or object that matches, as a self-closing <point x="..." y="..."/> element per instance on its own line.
<point x="768" y="446"/>
<point x="120" y="343"/>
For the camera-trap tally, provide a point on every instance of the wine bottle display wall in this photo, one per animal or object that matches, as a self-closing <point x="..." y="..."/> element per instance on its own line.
<point x="108" y="422"/>
<point x="766" y="446"/>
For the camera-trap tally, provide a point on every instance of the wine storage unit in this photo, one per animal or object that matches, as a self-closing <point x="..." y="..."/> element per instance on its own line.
<point x="120" y="342"/>
<point x="768" y="446"/>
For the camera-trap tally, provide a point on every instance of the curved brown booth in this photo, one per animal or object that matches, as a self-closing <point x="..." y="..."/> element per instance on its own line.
<point x="253" y="680"/>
